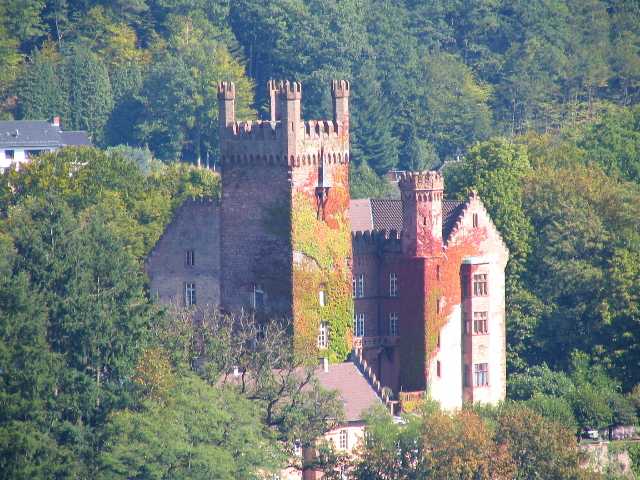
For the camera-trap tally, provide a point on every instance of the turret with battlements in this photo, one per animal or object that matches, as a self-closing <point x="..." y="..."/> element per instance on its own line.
<point x="270" y="170"/>
<point x="422" y="194"/>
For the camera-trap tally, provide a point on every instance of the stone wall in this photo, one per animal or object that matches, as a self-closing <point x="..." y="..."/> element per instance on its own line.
<point x="195" y="227"/>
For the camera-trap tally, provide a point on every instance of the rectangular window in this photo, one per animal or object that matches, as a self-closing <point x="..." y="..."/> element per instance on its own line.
<point x="323" y="335"/>
<point x="189" y="294"/>
<point x="189" y="258"/>
<point x="437" y="272"/>
<point x="393" y="285"/>
<point x="28" y="154"/>
<point x="297" y="448"/>
<point x="466" y="375"/>
<point x="258" y="297"/>
<point x="480" y="285"/>
<point x="438" y="369"/>
<point x="480" y="323"/>
<point x="480" y="374"/>
<point x="467" y="327"/>
<point x="393" y="324"/>
<point x="358" y="325"/>
<point x="360" y="286"/>
<point x="475" y="220"/>
<point x="353" y="287"/>
<point x="344" y="439"/>
<point x="438" y="342"/>
<point x="9" y="154"/>
<point x="321" y="298"/>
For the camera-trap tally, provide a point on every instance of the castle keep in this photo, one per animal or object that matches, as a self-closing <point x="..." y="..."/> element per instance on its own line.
<point x="413" y="289"/>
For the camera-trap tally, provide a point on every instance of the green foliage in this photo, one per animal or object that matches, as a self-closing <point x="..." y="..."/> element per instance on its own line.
<point x="89" y="90"/>
<point x="199" y="432"/>
<point x="364" y="183"/>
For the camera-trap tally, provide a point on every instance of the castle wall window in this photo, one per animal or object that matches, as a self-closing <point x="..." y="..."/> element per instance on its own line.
<point x="393" y="324"/>
<point x="437" y="272"/>
<point x="480" y="285"/>
<point x="393" y="285"/>
<point x="297" y="448"/>
<point x="358" y="286"/>
<point x="344" y="439"/>
<point x="189" y="258"/>
<point x="466" y="375"/>
<point x="189" y="294"/>
<point x="323" y="335"/>
<point x="322" y="298"/>
<point x="358" y="325"/>
<point x="480" y="323"/>
<point x="475" y="220"/>
<point x="438" y="369"/>
<point x="480" y="374"/>
<point x="258" y="297"/>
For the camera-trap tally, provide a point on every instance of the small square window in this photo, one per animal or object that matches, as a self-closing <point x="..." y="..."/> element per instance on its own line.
<point x="189" y="258"/>
<point x="189" y="294"/>
<point x="480" y="285"/>
<point x="480" y="374"/>
<point x="480" y="323"/>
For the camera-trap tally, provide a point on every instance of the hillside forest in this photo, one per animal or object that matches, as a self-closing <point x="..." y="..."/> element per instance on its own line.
<point x="534" y="104"/>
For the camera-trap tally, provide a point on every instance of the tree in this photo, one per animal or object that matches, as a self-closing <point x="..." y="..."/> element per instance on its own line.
<point x="539" y="447"/>
<point x="200" y="431"/>
<point x="42" y="92"/>
<point x="89" y="89"/>
<point x="180" y="97"/>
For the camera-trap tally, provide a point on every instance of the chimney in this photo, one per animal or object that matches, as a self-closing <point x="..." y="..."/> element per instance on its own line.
<point x="56" y="121"/>
<point x="324" y="362"/>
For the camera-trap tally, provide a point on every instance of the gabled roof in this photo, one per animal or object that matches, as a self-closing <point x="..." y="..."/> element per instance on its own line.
<point x="386" y="214"/>
<point x="38" y="133"/>
<point x="354" y="389"/>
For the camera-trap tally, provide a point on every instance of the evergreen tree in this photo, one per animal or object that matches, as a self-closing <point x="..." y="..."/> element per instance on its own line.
<point x="89" y="90"/>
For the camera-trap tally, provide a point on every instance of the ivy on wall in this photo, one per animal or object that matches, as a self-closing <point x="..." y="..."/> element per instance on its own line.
<point x="322" y="249"/>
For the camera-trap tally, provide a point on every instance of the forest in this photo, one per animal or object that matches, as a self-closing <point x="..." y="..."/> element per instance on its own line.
<point x="533" y="104"/>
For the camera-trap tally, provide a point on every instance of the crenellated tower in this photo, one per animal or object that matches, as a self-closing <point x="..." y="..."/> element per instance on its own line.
<point x="284" y="217"/>
<point x="422" y="194"/>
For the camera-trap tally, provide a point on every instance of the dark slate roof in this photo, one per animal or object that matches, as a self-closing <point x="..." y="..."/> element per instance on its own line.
<point x="356" y="393"/>
<point x="37" y="133"/>
<point x="386" y="214"/>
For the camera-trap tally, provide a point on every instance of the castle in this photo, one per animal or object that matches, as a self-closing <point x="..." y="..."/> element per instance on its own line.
<point x="413" y="289"/>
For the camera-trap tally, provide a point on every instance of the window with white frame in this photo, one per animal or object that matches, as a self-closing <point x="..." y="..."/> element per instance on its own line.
<point x="189" y="294"/>
<point x="189" y="258"/>
<point x="297" y="448"/>
<point x="480" y="374"/>
<point x="358" y="325"/>
<point x="322" y="299"/>
<point x="480" y="323"/>
<point x="258" y="297"/>
<point x="480" y="285"/>
<point x="393" y="285"/>
<point x="323" y="335"/>
<point x="393" y="324"/>
<point x="360" y="286"/>
<point x="343" y="440"/>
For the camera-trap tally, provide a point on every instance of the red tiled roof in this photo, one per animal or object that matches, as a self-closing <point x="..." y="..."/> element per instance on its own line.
<point x="386" y="214"/>
<point x="356" y="393"/>
<point x="360" y="213"/>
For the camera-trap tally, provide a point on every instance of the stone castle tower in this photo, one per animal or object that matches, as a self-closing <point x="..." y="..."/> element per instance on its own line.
<point x="285" y="229"/>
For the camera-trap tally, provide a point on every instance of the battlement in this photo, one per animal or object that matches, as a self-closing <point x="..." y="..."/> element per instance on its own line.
<point x="226" y="91"/>
<point x="340" y="88"/>
<point x="426" y="180"/>
<point x="374" y="236"/>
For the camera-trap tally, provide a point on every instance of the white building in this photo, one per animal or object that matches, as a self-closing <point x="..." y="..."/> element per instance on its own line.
<point x="21" y="140"/>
